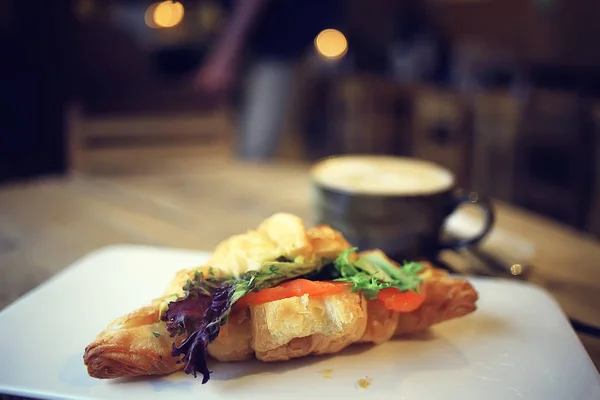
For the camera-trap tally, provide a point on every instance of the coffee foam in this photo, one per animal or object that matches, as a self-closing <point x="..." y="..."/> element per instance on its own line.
<point x="380" y="175"/>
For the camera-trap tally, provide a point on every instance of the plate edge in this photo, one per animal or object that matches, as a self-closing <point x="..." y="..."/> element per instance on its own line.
<point x="113" y="248"/>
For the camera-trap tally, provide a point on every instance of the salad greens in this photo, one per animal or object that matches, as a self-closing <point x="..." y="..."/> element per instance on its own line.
<point x="373" y="272"/>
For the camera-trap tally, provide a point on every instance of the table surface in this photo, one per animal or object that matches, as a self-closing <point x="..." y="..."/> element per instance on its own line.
<point x="195" y="202"/>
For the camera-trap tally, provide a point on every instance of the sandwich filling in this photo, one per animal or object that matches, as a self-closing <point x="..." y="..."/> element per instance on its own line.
<point x="207" y="302"/>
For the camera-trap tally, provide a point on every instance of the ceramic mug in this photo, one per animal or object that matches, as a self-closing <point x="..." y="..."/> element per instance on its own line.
<point x="396" y="204"/>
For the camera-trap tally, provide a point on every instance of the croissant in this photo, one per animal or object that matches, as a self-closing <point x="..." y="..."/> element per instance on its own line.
<point x="139" y="344"/>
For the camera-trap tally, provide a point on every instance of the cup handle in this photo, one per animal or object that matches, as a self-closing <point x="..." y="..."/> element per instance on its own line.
<point x="485" y="205"/>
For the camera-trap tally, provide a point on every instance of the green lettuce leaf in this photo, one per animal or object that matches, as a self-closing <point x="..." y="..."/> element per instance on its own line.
<point x="372" y="272"/>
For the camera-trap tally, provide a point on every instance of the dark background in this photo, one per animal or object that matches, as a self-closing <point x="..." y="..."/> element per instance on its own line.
<point x="543" y="53"/>
<point x="35" y="82"/>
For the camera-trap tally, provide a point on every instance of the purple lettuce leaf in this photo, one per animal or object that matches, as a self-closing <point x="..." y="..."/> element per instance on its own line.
<point x="206" y="306"/>
<point x="201" y="316"/>
<point x="185" y="314"/>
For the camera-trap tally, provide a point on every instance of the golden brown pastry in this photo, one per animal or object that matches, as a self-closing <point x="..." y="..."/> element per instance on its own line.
<point x="299" y="326"/>
<point x="140" y="344"/>
<point x="447" y="298"/>
<point x="134" y="345"/>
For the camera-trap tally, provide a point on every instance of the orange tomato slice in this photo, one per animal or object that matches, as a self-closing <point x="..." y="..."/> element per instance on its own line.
<point x="293" y="288"/>
<point x="392" y="298"/>
<point x="403" y="302"/>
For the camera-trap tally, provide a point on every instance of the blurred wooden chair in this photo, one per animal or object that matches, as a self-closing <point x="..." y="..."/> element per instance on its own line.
<point x="370" y="115"/>
<point x="442" y="130"/>
<point x="554" y="157"/>
<point x="496" y="120"/>
<point x="593" y="223"/>
<point x="134" y="140"/>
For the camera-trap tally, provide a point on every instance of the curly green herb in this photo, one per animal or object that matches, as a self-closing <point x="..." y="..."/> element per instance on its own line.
<point x="372" y="273"/>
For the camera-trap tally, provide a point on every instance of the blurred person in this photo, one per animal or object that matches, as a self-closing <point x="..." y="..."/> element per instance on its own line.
<point x="265" y="39"/>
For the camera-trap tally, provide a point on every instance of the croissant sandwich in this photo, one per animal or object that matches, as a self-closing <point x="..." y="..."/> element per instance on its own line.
<point x="275" y="293"/>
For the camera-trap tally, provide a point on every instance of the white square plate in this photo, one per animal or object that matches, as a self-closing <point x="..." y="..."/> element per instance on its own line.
<point x="518" y="345"/>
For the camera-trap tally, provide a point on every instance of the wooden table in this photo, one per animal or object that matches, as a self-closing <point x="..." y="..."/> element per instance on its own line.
<point x="47" y="224"/>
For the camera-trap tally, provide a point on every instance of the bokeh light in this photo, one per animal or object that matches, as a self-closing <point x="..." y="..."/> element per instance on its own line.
<point x="165" y="14"/>
<point x="331" y="44"/>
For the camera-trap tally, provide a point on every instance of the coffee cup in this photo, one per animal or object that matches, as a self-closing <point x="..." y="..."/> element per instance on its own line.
<point x="396" y="204"/>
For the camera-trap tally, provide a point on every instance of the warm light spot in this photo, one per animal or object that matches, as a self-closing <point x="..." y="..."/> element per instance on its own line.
<point x="331" y="44"/>
<point x="166" y="14"/>
<point x="516" y="269"/>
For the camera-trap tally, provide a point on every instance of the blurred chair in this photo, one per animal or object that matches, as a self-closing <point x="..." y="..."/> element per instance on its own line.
<point x="593" y="225"/>
<point x="135" y="141"/>
<point x="371" y="115"/>
<point x="496" y="121"/>
<point x="479" y="67"/>
<point x="554" y="157"/>
<point x="442" y="130"/>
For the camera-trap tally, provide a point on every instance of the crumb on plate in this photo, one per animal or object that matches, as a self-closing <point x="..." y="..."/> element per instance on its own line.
<point x="327" y="373"/>
<point x="364" y="382"/>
